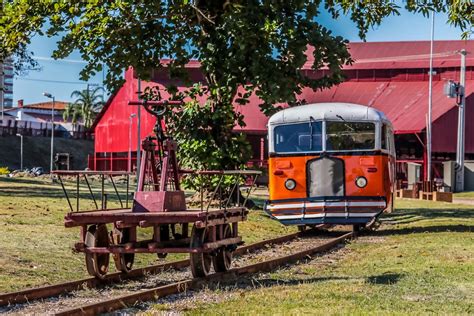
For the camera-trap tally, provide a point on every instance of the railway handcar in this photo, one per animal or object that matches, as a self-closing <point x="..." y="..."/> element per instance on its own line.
<point x="330" y="163"/>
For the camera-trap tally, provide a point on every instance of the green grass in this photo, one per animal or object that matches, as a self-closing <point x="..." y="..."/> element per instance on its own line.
<point x="420" y="261"/>
<point x="35" y="247"/>
<point x="463" y="195"/>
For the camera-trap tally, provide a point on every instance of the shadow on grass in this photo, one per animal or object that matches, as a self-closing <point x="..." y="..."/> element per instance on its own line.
<point x="427" y="229"/>
<point x="411" y="216"/>
<point x="32" y="181"/>
<point x="386" y="278"/>
<point x="249" y="283"/>
<point x="418" y="214"/>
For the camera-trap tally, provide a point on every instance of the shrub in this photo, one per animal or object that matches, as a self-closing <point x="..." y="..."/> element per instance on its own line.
<point x="4" y="170"/>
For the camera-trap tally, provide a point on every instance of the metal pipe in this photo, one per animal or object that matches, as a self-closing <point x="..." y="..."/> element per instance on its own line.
<point x="77" y="193"/>
<point x="52" y="137"/>
<point x="116" y="191"/>
<point x="139" y="119"/>
<point x="430" y="100"/>
<point x="50" y="96"/>
<point x="130" y="141"/>
<point x="65" y="193"/>
<point x="215" y="192"/>
<point x="90" y="191"/>
<point x="250" y="189"/>
<point x="461" y="126"/>
<point x="102" y="191"/>
<point x="128" y="187"/>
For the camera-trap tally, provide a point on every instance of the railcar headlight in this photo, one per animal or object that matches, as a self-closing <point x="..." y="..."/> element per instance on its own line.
<point x="361" y="182"/>
<point x="290" y="184"/>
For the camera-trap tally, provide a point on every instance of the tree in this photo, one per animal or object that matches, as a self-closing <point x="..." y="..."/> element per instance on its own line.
<point x="255" y="45"/>
<point x="87" y="104"/>
<point x="71" y="112"/>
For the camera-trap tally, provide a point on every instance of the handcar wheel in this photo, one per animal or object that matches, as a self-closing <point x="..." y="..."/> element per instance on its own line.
<point x="201" y="261"/>
<point x="97" y="263"/>
<point x="124" y="261"/>
<point x="223" y="259"/>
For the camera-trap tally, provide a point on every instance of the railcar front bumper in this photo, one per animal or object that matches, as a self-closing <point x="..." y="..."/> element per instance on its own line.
<point x="341" y="210"/>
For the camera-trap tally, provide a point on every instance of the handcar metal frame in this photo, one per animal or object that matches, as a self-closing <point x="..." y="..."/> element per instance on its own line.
<point x="160" y="203"/>
<point x="213" y="237"/>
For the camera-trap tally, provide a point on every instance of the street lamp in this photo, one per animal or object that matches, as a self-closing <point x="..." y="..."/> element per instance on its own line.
<point x="130" y="142"/>
<point x="21" y="151"/>
<point x="50" y="96"/>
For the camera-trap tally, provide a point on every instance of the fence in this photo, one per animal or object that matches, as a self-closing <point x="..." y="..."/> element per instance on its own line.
<point x="43" y="132"/>
<point x="111" y="163"/>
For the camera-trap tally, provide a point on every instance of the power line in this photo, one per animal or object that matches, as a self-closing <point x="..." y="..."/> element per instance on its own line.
<point x="72" y="61"/>
<point x="60" y="81"/>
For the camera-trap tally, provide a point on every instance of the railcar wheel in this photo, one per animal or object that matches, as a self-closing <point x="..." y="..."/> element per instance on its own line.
<point x="302" y="228"/>
<point x="223" y="259"/>
<point x="201" y="261"/>
<point x="356" y="228"/>
<point x="124" y="261"/>
<point x="97" y="263"/>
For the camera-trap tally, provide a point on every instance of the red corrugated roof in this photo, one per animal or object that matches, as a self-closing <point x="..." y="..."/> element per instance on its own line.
<point x="394" y="55"/>
<point x="404" y="103"/>
<point x="407" y="54"/>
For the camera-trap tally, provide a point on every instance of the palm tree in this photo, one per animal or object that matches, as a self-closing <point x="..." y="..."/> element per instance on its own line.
<point x="72" y="111"/>
<point x="87" y="104"/>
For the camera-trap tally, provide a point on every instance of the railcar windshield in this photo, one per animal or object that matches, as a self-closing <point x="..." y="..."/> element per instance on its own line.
<point x="350" y="136"/>
<point x="303" y="137"/>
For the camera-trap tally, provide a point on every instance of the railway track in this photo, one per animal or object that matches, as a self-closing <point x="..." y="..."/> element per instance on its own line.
<point x="124" y="301"/>
<point x="174" y="287"/>
<point x="31" y="294"/>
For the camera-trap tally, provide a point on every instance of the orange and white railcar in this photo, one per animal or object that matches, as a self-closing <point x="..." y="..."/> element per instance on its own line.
<point x="330" y="163"/>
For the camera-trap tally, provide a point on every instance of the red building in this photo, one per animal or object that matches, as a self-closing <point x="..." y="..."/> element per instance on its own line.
<point x="390" y="76"/>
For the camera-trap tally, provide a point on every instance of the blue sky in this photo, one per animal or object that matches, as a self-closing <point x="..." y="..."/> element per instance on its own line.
<point x="62" y="77"/>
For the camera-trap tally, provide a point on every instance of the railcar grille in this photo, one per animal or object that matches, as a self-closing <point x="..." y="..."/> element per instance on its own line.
<point x="325" y="177"/>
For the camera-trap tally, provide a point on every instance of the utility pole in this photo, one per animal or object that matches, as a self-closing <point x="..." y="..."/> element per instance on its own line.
<point x="50" y="96"/>
<point x="430" y="101"/>
<point x="459" y="169"/>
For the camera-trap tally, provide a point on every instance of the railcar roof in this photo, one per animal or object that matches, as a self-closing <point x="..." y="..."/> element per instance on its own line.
<point x="327" y="111"/>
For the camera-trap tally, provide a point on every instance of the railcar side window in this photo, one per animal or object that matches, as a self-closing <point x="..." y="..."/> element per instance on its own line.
<point x="350" y="136"/>
<point x="383" y="138"/>
<point x="303" y="137"/>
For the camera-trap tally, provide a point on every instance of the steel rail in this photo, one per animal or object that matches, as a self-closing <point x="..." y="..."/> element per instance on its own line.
<point x="182" y="286"/>
<point x="67" y="287"/>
